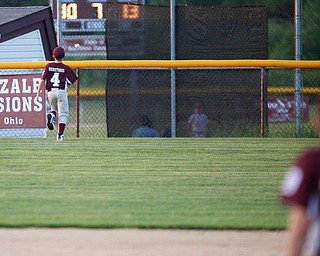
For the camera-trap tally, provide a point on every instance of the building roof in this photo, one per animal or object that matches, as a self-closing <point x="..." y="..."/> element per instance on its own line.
<point x="17" y="21"/>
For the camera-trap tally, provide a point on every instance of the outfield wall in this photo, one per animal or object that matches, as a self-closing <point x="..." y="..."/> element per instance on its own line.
<point x="89" y="115"/>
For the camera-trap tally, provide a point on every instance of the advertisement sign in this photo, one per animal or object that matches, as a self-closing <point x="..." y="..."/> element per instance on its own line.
<point x="282" y="109"/>
<point x="19" y="107"/>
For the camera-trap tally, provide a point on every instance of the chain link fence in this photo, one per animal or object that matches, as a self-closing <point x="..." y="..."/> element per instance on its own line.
<point x="111" y="102"/>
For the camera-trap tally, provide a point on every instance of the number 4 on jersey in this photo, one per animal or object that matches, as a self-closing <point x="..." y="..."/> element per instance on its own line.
<point x="55" y="80"/>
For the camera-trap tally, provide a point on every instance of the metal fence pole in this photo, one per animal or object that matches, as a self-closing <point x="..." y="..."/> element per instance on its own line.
<point x="173" y="72"/>
<point x="263" y="98"/>
<point x="298" y="71"/>
<point x="78" y="104"/>
<point x="59" y="32"/>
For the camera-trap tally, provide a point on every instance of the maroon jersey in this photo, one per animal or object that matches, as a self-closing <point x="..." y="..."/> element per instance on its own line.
<point x="301" y="186"/>
<point x="58" y="75"/>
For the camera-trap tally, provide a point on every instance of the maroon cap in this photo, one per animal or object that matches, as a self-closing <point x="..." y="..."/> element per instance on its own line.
<point x="197" y="105"/>
<point x="58" y="53"/>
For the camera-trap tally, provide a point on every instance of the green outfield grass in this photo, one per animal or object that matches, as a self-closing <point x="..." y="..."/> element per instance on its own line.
<point x="146" y="183"/>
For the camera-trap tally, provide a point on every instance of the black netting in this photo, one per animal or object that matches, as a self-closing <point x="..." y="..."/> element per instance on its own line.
<point x="222" y="32"/>
<point x="202" y="33"/>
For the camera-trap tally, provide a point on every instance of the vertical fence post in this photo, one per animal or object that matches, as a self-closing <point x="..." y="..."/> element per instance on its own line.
<point x="59" y="32"/>
<point x="78" y="103"/>
<point x="263" y="102"/>
<point x="298" y="71"/>
<point x="173" y="72"/>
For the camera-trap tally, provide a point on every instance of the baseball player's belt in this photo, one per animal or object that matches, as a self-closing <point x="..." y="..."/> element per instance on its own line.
<point x="55" y="89"/>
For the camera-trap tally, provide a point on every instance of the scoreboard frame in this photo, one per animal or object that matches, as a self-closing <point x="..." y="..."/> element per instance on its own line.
<point x="93" y="9"/>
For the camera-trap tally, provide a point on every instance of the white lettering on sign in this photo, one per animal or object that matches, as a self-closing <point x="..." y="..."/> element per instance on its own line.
<point x="18" y="86"/>
<point x="12" y="121"/>
<point x="282" y="109"/>
<point x="3" y="86"/>
<point x="19" y="106"/>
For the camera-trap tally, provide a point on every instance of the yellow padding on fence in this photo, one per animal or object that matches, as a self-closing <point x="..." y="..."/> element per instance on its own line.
<point x="288" y="90"/>
<point x="88" y="92"/>
<point x="95" y="92"/>
<point x="168" y="64"/>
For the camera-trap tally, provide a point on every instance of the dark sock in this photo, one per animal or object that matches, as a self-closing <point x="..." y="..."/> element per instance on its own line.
<point x="61" y="128"/>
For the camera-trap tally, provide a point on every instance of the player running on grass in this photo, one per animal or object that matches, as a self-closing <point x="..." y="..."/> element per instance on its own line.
<point x="56" y="77"/>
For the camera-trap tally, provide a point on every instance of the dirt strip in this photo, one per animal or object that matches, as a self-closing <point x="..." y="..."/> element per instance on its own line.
<point x="136" y="242"/>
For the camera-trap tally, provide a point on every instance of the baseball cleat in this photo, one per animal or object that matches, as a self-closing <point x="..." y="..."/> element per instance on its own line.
<point x="50" y="121"/>
<point x="60" y="137"/>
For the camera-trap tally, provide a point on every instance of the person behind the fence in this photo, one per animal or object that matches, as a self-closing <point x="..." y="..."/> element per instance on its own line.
<point x="166" y="132"/>
<point x="301" y="190"/>
<point x="198" y="121"/>
<point x="146" y="129"/>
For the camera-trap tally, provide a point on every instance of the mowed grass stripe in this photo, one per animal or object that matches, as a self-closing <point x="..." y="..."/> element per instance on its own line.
<point x="214" y="183"/>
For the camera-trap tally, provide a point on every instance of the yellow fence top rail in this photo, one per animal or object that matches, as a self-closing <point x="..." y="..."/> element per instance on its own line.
<point x="101" y="92"/>
<point x="169" y="64"/>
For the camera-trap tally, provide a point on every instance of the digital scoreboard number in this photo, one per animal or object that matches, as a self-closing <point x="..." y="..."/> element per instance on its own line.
<point x="69" y="11"/>
<point x="90" y="9"/>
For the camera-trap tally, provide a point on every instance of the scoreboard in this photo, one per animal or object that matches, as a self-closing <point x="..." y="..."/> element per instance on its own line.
<point x="83" y="24"/>
<point x="93" y="9"/>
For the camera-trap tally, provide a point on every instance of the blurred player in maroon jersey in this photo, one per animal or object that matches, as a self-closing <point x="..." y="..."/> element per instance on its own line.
<point x="301" y="190"/>
<point x="56" y="77"/>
